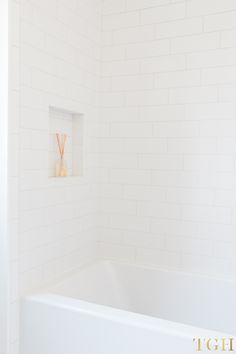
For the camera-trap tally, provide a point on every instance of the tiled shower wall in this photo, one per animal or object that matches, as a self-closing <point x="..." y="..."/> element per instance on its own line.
<point x="59" y="61"/>
<point x="13" y="174"/>
<point x="168" y="134"/>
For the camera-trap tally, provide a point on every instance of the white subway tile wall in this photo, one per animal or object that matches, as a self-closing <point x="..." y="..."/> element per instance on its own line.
<point x="155" y="81"/>
<point x="13" y="173"/>
<point x="168" y="153"/>
<point x="60" y="67"/>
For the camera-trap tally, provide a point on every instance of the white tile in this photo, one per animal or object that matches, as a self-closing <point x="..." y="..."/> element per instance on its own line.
<point x="212" y="58"/>
<point x="220" y="22"/>
<point x="192" y="145"/>
<point x="159" y="177"/>
<point x="133" y="35"/>
<point x="163" y="113"/>
<point x="130" y="223"/>
<point x="136" y="82"/>
<point x="210" y="111"/>
<point x="228" y="38"/>
<point x="144" y="193"/>
<point x="163" y="63"/>
<point x="220" y="128"/>
<point x="195" y="43"/>
<point x="227" y="93"/>
<point x="179" y="28"/>
<point x="128" y="67"/>
<point x="112" y="6"/>
<point x="216" y="163"/>
<point x="194" y="196"/>
<point x="222" y="75"/>
<point x="131" y="130"/>
<point x="148" y="49"/>
<point x="178" y="79"/>
<point x="193" y="95"/>
<point x="128" y="176"/>
<point x="116" y="252"/>
<point x="145" y="146"/>
<point x="157" y="258"/>
<point x="110" y="53"/>
<point x="159" y="210"/>
<point x="142" y="4"/>
<point x="176" y="129"/>
<point x="30" y="34"/>
<point x="114" y="22"/>
<point x="147" y="98"/>
<point x="207" y="213"/>
<point x="203" y="7"/>
<point x="161" y="162"/>
<point x="163" y="13"/>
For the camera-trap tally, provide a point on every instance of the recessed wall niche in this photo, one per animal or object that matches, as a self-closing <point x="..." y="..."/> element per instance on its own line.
<point x="71" y="124"/>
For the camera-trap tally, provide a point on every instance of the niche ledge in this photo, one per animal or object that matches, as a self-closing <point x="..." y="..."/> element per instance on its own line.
<point x="70" y="123"/>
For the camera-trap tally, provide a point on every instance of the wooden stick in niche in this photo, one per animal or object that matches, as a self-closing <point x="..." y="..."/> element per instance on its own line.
<point x="61" y="169"/>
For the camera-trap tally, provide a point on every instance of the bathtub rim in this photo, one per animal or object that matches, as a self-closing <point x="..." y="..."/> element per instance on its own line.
<point x="125" y="317"/>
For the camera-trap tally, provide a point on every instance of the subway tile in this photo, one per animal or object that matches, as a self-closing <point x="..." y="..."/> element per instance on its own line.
<point x="131" y="130"/>
<point x="162" y="64"/>
<point x="213" y="266"/>
<point x="176" y="129"/>
<point x="136" y="82"/>
<point x="142" y="4"/>
<point x="207" y="213"/>
<point x="194" y="196"/>
<point x="148" y="49"/>
<point x="193" y="95"/>
<point x="112" y="6"/>
<point x="218" y="128"/>
<point x="130" y="223"/>
<point x="163" y="13"/>
<point x="226" y="145"/>
<point x="210" y="111"/>
<point x="220" y="22"/>
<point x="221" y="75"/>
<point x="145" y="146"/>
<point x="174" y="227"/>
<point x="204" y="7"/>
<point x="134" y="35"/>
<point x="130" y="176"/>
<point x="216" y="163"/>
<point x="195" y="43"/>
<point x="118" y="206"/>
<point x="192" y="145"/>
<point x="226" y="198"/>
<point x="179" y="28"/>
<point x="175" y="179"/>
<point x="119" y="114"/>
<point x="116" y="252"/>
<point x="228" y="38"/>
<point x="147" y="97"/>
<point x="118" y="21"/>
<point x="144" y="193"/>
<point x="178" y="79"/>
<point x="129" y="67"/>
<point x="110" y="53"/>
<point x="163" y="113"/>
<point x="212" y="58"/>
<point x="158" y="258"/>
<point x="159" y="210"/>
<point x="227" y="93"/>
<point x="161" y="162"/>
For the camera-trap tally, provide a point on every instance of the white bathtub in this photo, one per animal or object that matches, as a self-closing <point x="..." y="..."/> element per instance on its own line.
<point x="111" y="308"/>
